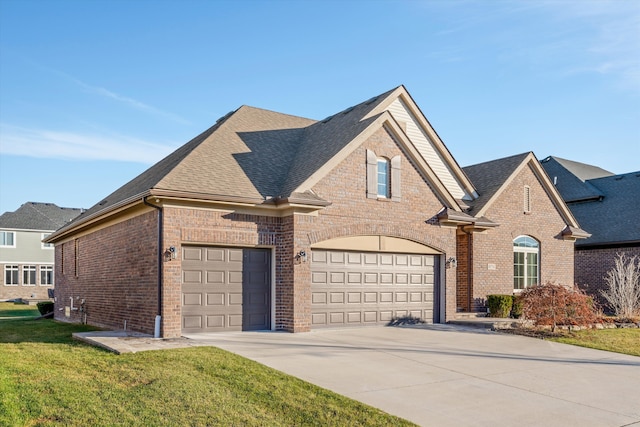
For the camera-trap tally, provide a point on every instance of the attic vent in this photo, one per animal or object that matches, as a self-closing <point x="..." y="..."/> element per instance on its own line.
<point x="224" y="117"/>
<point x="327" y="119"/>
<point x="527" y="199"/>
<point x="348" y="110"/>
<point x="370" y="100"/>
<point x="103" y="202"/>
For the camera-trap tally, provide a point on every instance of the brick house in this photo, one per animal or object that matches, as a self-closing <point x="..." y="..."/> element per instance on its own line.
<point x="26" y="262"/>
<point x="268" y="221"/>
<point x="606" y="205"/>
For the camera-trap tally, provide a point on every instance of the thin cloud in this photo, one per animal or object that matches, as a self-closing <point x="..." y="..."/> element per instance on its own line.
<point x="128" y="101"/>
<point x="43" y="143"/>
<point x="560" y="37"/>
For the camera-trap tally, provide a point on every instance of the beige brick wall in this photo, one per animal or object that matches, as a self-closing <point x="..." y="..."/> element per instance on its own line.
<point x="494" y="249"/>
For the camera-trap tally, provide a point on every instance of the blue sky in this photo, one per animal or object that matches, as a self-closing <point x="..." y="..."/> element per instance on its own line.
<point x="94" y="92"/>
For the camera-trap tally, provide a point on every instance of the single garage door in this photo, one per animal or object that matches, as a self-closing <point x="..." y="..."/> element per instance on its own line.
<point x="225" y="289"/>
<point x="362" y="288"/>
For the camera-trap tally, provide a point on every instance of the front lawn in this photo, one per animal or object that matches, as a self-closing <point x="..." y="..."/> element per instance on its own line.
<point x="47" y="379"/>
<point x="9" y="309"/>
<point x="621" y="340"/>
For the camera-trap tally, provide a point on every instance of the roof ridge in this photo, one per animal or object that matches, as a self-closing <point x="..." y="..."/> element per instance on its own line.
<point x="274" y="112"/>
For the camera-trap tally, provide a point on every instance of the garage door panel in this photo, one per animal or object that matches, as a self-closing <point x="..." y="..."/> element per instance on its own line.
<point x="215" y="321"/>
<point x="376" y="287"/>
<point x="215" y="254"/>
<point x="192" y="299"/>
<point x="402" y="279"/>
<point x="216" y="298"/>
<point x="215" y="277"/>
<point x="235" y="277"/>
<point x="225" y="289"/>
<point x="192" y="277"/>
<point x="319" y="298"/>
<point x="235" y="320"/>
<point x="336" y="318"/>
<point x="337" y="297"/>
<point x="192" y="254"/>
<point x="370" y="316"/>
<point x="319" y="277"/>
<point x="192" y="322"/>
<point x="319" y="318"/>
<point x="415" y="297"/>
<point x="354" y="297"/>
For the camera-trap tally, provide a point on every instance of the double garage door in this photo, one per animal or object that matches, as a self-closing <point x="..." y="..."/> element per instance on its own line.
<point x="352" y="288"/>
<point x="225" y="289"/>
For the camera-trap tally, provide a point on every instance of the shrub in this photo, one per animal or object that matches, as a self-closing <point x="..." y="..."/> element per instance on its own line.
<point x="554" y="305"/>
<point x="499" y="305"/>
<point x="45" y="307"/>
<point x="623" y="286"/>
<point x="516" y="308"/>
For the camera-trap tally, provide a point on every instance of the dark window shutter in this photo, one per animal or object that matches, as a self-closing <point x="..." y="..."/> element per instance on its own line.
<point x="396" y="191"/>
<point x="372" y="175"/>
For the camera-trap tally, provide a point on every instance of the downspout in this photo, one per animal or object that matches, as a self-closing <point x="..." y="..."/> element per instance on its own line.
<point x="156" y="333"/>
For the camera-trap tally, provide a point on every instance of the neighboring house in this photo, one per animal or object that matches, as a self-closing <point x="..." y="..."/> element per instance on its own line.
<point x="607" y="206"/>
<point x="271" y="221"/>
<point x="26" y="261"/>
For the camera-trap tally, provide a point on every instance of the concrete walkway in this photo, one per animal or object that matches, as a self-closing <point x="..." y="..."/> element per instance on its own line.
<point x="445" y="375"/>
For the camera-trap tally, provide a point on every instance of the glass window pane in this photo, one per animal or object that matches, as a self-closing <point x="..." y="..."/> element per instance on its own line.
<point x="383" y="178"/>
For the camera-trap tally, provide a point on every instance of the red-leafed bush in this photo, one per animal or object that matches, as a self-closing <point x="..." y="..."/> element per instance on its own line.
<point x="553" y="305"/>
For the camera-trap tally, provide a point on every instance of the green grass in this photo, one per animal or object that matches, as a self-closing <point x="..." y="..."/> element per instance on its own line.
<point x="619" y="340"/>
<point x="47" y="379"/>
<point x="9" y="309"/>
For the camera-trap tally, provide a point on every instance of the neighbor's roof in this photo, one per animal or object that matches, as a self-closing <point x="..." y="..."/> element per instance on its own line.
<point x="489" y="177"/>
<point x="614" y="218"/>
<point x="572" y="178"/>
<point x="38" y="216"/>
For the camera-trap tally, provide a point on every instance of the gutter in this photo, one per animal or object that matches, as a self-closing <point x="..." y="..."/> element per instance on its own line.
<point x="160" y="245"/>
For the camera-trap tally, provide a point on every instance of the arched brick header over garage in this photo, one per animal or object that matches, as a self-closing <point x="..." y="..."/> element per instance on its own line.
<point x="379" y="230"/>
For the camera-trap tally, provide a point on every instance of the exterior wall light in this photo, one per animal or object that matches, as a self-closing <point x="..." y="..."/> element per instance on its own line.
<point x="170" y="253"/>
<point x="301" y="256"/>
<point x="451" y="263"/>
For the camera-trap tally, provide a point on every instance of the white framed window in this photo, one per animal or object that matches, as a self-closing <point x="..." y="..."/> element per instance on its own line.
<point x="383" y="178"/>
<point x="11" y="275"/>
<point x="526" y="262"/>
<point x="29" y="275"/>
<point x="46" y="275"/>
<point x="45" y="245"/>
<point x="8" y="239"/>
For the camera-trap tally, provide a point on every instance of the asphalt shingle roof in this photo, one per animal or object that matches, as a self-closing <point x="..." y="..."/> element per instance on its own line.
<point x="38" y="216"/>
<point x="572" y="178"/>
<point x="488" y="177"/>
<point x="250" y="153"/>
<point x="614" y="218"/>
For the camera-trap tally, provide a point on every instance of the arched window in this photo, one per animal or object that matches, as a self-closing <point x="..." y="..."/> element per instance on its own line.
<point x="526" y="262"/>
<point x="383" y="178"/>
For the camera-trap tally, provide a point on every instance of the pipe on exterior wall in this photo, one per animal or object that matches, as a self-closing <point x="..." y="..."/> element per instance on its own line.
<point x="156" y="333"/>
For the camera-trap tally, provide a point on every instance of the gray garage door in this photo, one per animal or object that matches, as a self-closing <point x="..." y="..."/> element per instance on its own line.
<point x="361" y="288"/>
<point x="225" y="289"/>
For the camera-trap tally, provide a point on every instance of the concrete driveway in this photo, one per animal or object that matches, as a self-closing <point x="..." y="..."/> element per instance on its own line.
<point x="445" y="375"/>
